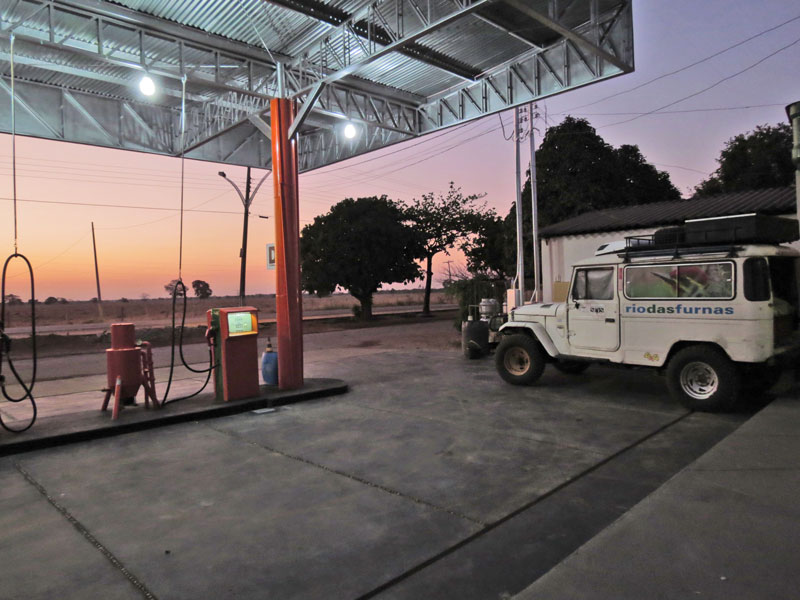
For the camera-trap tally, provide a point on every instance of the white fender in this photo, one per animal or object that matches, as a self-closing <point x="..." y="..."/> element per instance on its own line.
<point x="539" y="332"/>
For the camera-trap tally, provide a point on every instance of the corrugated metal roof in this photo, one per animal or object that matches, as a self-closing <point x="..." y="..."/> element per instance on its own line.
<point x="469" y="41"/>
<point x="248" y="21"/>
<point x="770" y="201"/>
<point x="458" y="42"/>
<point x="401" y="68"/>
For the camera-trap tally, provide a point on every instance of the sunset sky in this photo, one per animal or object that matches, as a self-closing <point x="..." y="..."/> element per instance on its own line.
<point x="137" y="224"/>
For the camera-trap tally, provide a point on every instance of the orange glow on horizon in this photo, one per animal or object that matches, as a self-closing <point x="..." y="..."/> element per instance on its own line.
<point x="63" y="187"/>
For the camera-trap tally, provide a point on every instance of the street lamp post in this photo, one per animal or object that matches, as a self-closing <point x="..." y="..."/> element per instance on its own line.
<point x="247" y="200"/>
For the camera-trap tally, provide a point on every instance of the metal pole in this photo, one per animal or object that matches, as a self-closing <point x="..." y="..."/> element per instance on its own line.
<point x="288" y="306"/>
<point x="793" y="112"/>
<point x="520" y="299"/>
<point x="243" y="251"/>
<point x="537" y="260"/>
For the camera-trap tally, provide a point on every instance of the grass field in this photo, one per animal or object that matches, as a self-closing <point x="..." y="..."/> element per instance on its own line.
<point x="160" y="309"/>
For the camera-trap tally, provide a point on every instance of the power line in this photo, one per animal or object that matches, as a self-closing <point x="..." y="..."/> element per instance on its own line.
<point x="689" y="66"/>
<point x="433" y="151"/>
<point x="429" y="152"/>
<point x="675" y="112"/>
<point x="56" y="257"/>
<point x="119" y="170"/>
<point x="680" y="167"/>
<point x="427" y="157"/>
<point x="124" y="167"/>
<point x="129" y="206"/>
<point x="192" y="209"/>
<point x="403" y="149"/>
<point x="119" y="181"/>
<point x="713" y="85"/>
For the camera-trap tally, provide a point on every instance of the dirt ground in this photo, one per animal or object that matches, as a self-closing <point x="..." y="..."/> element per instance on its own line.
<point x="159" y="310"/>
<point x="437" y="332"/>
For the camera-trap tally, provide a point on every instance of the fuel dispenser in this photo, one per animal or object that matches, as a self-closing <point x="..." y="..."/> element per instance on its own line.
<point x="233" y="333"/>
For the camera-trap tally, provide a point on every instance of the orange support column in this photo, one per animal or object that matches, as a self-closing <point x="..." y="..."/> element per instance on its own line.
<point x="289" y="307"/>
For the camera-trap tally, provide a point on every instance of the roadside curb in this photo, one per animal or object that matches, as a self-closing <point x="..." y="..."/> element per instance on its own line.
<point x="91" y="425"/>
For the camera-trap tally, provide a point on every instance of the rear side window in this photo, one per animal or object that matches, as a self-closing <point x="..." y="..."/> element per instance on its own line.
<point x="783" y="276"/>
<point x="593" y="284"/>
<point x="756" y="279"/>
<point x="690" y="280"/>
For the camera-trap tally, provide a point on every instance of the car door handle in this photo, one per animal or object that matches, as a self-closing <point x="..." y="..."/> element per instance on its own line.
<point x="611" y="320"/>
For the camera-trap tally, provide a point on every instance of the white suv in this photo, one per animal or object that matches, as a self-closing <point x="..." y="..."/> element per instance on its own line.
<point x="717" y="315"/>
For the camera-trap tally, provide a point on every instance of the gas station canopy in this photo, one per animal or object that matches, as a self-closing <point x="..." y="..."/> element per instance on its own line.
<point x="395" y="69"/>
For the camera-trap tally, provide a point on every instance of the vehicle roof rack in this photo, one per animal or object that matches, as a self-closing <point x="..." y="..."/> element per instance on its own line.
<point x="712" y="235"/>
<point x="677" y="251"/>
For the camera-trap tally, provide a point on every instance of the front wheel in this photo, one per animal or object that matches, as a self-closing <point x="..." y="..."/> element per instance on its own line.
<point x="519" y="359"/>
<point x="703" y="378"/>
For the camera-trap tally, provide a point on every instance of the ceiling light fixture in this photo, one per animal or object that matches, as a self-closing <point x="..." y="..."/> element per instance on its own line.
<point x="147" y="86"/>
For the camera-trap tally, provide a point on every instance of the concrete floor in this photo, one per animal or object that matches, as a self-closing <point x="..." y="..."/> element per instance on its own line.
<point x="727" y="526"/>
<point x="431" y="478"/>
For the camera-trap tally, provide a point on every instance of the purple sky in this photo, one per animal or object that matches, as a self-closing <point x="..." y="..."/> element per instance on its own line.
<point x="668" y="36"/>
<point x="139" y="247"/>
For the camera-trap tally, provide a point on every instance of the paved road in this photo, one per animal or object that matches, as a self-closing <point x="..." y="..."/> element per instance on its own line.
<point x="94" y="363"/>
<point x="96" y="328"/>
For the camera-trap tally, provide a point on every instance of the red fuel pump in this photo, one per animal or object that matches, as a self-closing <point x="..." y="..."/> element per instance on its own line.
<point x="233" y="332"/>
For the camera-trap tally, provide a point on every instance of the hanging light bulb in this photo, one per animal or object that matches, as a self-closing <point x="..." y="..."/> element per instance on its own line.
<point x="147" y="86"/>
<point x="349" y="131"/>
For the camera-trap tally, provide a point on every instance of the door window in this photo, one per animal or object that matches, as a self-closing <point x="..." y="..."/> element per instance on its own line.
<point x="593" y="284"/>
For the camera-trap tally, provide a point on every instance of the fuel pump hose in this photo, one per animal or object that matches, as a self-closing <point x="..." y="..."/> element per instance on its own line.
<point x="5" y="350"/>
<point x="180" y="289"/>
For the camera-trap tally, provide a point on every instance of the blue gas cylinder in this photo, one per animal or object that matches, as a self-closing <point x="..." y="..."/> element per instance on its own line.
<point x="269" y="365"/>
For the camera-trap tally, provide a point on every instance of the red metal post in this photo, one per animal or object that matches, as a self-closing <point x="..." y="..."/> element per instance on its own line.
<point x="288" y="303"/>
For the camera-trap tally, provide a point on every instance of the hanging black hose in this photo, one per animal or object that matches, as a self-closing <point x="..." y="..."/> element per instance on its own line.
<point x="5" y="349"/>
<point x="211" y="366"/>
<point x="180" y="286"/>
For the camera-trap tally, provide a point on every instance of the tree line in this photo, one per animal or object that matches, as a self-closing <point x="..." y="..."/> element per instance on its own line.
<point x="364" y="243"/>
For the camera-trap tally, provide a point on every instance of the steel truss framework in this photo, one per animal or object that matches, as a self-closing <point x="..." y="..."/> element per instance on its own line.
<point x="78" y="62"/>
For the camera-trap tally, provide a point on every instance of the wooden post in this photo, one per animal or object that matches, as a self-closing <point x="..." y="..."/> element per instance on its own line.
<point x="97" y="276"/>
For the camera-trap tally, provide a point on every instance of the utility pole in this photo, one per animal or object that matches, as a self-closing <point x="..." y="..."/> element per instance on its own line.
<point x="97" y="273"/>
<point x="247" y="200"/>
<point x="793" y="112"/>
<point x="537" y="261"/>
<point x="449" y="275"/>
<point x="519" y="300"/>
<point x="243" y="251"/>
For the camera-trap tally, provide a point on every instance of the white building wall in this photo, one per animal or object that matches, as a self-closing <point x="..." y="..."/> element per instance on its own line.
<point x="560" y="253"/>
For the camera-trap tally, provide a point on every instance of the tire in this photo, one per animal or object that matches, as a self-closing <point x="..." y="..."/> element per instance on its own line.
<point x="519" y="359"/>
<point x="703" y="378"/>
<point x="571" y="367"/>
